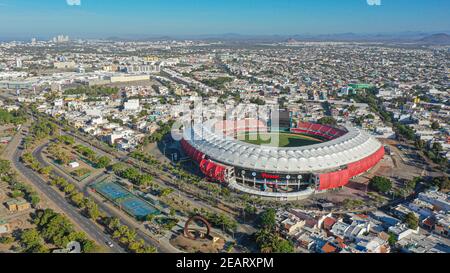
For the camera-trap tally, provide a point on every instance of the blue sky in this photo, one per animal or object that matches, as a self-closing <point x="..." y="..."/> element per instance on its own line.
<point x="194" y="17"/>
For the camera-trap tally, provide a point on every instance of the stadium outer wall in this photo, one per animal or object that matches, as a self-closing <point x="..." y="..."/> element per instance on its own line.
<point x="324" y="181"/>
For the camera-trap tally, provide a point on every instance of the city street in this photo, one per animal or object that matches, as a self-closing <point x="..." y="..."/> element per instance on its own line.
<point x="93" y="230"/>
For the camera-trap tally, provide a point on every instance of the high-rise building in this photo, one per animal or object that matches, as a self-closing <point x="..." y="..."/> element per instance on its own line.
<point x="61" y="39"/>
<point x="18" y="63"/>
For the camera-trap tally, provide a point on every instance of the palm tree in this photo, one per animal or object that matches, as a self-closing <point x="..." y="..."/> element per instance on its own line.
<point x="266" y="249"/>
<point x="131" y="235"/>
<point x="114" y="223"/>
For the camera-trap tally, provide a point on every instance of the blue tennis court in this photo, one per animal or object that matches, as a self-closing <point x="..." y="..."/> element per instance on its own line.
<point x="138" y="207"/>
<point x="124" y="199"/>
<point x="112" y="191"/>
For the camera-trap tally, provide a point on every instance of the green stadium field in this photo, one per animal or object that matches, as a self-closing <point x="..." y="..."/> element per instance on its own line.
<point x="278" y="139"/>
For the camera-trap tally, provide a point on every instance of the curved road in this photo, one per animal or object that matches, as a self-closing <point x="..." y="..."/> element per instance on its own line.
<point x="86" y="225"/>
<point x="162" y="247"/>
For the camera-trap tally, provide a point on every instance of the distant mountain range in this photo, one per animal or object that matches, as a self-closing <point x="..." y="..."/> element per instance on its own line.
<point x="400" y="37"/>
<point x="410" y="37"/>
<point x="404" y="37"/>
<point x="438" y="39"/>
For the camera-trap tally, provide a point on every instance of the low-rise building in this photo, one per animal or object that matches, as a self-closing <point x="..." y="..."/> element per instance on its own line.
<point x="419" y="243"/>
<point x="74" y="165"/>
<point x="402" y="231"/>
<point x="440" y="200"/>
<point x="17" y="204"/>
<point x="385" y="219"/>
<point x="4" y="227"/>
<point x="372" y="244"/>
<point x="442" y="224"/>
<point x="424" y="209"/>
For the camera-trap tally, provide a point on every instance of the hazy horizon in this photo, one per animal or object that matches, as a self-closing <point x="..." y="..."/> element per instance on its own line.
<point x="175" y="18"/>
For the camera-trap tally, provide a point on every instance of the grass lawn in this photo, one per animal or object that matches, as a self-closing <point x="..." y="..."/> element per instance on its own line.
<point x="277" y="139"/>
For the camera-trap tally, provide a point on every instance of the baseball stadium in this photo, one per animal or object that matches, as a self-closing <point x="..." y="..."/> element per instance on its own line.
<point x="282" y="161"/>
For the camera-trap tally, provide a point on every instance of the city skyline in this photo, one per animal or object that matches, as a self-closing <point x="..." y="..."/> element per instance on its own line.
<point x="95" y="19"/>
<point x="238" y="129"/>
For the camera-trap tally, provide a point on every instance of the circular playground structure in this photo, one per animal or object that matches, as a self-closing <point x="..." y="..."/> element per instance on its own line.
<point x="193" y="219"/>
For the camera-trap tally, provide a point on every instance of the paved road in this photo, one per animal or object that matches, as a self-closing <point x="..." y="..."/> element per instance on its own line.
<point x="160" y="177"/>
<point x="161" y="246"/>
<point x="87" y="225"/>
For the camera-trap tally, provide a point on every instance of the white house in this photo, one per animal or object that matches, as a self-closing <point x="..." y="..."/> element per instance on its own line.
<point x="74" y="165"/>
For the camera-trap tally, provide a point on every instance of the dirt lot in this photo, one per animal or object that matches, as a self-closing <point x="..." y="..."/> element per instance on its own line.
<point x="395" y="167"/>
<point x="6" y="132"/>
<point x="67" y="169"/>
<point x="200" y="245"/>
<point x="18" y="221"/>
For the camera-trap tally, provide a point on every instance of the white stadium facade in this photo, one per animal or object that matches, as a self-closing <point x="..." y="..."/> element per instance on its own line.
<point x="284" y="173"/>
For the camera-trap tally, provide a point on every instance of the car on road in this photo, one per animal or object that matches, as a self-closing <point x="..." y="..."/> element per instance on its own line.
<point x="110" y="244"/>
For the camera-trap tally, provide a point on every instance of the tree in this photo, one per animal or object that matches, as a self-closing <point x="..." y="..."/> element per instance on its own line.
<point x="36" y="166"/>
<point x="89" y="246"/>
<point x="392" y="239"/>
<point x="92" y="91"/>
<point x="419" y="143"/>
<point x="352" y="108"/>
<point x="114" y="223"/>
<point x="435" y="125"/>
<point x="380" y="184"/>
<point x="103" y="162"/>
<point x="27" y="158"/>
<point x="268" y="219"/>
<point x="437" y="147"/>
<point x="31" y="241"/>
<point x="172" y="212"/>
<point x="17" y="193"/>
<point x="150" y="217"/>
<point x="165" y="192"/>
<point x="405" y="131"/>
<point x="43" y="128"/>
<point x="249" y="209"/>
<point x="56" y="229"/>
<point x="258" y="101"/>
<point x="92" y="210"/>
<point x="77" y="199"/>
<point x="145" y="180"/>
<point x="123" y="230"/>
<point x="69" y="188"/>
<point x="68" y="140"/>
<point x="327" y="121"/>
<point x="134" y="246"/>
<point x="63" y="157"/>
<point x="5" y="167"/>
<point x="283" y="246"/>
<point x="131" y="235"/>
<point x="6" y="240"/>
<point x="61" y="182"/>
<point x="411" y="220"/>
<point x="149" y="249"/>
<point x="118" y="168"/>
<point x="264" y="239"/>
<point x="270" y="242"/>
<point x="411" y="185"/>
<point x="35" y="199"/>
<point x="39" y="249"/>
<point x="442" y="182"/>
<point x="46" y="170"/>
